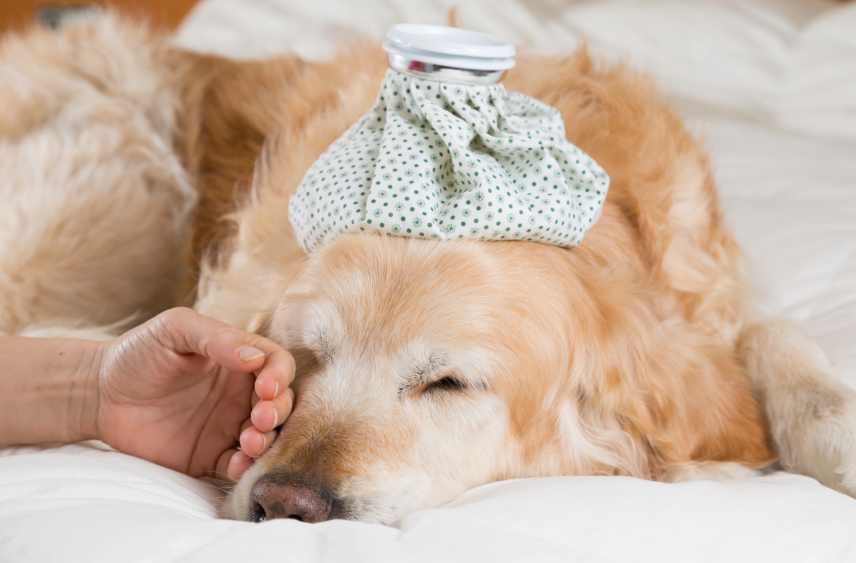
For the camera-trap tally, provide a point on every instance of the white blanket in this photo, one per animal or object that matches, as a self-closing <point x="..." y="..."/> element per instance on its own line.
<point x="771" y="88"/>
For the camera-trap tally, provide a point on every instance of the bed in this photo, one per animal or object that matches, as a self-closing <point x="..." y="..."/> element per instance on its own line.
<point x="770" y="87"/>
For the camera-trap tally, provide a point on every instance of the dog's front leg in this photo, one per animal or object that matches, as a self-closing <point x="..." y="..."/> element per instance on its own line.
<point x="812" y="415"/>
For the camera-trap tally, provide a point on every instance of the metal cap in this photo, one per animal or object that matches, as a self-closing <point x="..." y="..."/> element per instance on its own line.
<point x="448" y="53"/>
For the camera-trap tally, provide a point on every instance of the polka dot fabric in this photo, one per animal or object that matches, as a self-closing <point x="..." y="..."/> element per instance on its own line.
<point x="447" y="161"/>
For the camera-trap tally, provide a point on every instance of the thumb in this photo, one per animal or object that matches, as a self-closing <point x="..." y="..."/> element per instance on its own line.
<point x="187" y="332"/>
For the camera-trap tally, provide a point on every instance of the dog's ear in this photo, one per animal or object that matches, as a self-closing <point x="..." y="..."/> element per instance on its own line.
<point x="263" y="168"/>
<point x="660" y="178"/>
<point x="264" y="232"/>
<point x="228" y="109"/>
<point x="258" y="249"/>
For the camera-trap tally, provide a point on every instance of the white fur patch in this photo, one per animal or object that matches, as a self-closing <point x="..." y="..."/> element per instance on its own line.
<point x="590" y="444"/>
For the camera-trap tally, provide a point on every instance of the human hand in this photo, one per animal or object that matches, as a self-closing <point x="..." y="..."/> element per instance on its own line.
<point x="179" y="391"/>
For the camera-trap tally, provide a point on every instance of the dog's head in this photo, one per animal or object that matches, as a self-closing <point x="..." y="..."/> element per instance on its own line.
<point x="423" y="368"/>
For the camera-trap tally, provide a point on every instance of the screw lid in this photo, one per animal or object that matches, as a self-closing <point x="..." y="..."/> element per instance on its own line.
<point x="448" y="47"/>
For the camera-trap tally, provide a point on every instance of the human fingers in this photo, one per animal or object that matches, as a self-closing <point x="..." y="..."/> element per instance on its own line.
<point x="268" y="415"/>
<point x="232" y="464"/>
<point x="255" y="443"/>
<point x="188" y="332"/>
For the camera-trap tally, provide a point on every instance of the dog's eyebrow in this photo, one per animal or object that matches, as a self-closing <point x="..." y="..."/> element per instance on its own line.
<point x="422" y="372"/>
<point x="430" y="366"/>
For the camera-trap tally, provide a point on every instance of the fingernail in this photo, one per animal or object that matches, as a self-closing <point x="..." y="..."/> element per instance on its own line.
<point x="276" y="389"/>
<point x="248" y="353"/>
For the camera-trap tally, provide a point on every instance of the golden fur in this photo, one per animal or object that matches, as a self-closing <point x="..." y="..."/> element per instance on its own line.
<point x="616" y="357"/>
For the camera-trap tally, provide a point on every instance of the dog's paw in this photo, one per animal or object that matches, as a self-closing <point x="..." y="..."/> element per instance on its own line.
<point x="825" y="448"/>
<point x="811" y="413"/>
<point x="846" y="443"/>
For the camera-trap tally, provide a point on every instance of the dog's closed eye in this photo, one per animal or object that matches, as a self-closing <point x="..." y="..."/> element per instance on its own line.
<point x="446" y="383"/>
<point x="436" y="377"/>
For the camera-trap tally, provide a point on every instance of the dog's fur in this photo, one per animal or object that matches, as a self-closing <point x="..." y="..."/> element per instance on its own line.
<point x="631" y="354"/>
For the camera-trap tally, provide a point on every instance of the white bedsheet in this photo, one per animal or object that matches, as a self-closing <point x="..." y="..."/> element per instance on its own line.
<point x="771" y="88"/>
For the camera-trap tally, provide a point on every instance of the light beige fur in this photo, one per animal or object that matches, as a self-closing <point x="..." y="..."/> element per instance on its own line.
<point x="628" y="355"/>
<point x="95" y="200"/>
<point x="812" y="414"/>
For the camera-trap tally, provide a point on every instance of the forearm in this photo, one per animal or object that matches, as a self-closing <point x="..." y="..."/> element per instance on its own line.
<point x="48" y="390"/>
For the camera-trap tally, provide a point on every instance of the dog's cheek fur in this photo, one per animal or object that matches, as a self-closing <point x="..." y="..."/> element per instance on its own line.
<point x="622" y="383"/>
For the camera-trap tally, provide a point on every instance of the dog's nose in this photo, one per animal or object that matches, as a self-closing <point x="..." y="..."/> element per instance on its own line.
<point x="274" y="499"/>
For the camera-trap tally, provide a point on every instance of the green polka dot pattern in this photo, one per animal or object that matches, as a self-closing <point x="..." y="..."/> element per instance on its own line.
<point x="439" y="160"/>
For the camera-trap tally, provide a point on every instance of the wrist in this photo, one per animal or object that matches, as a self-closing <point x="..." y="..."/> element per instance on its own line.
<point x="48" y="390"/>
<point x="85" y="392"/>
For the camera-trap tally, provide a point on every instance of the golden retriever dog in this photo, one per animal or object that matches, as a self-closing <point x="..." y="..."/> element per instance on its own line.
<point x="136" y="177"/>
